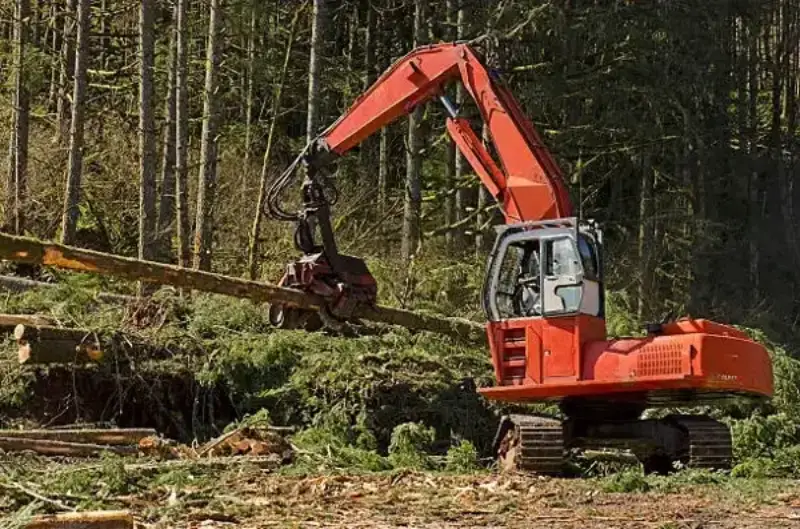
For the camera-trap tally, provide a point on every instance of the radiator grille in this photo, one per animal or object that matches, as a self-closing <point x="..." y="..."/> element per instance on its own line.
<point x="655" y="360"/>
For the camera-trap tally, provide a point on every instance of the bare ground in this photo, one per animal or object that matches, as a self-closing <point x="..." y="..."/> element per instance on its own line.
<point x="245" y="496"/>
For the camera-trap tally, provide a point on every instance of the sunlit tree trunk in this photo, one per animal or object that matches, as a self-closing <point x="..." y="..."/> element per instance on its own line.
<point x="318" y="26"/>
<point x="147" y="134"/>
<point x="207" y="181"/>
<point x="182" y="134"/>
<point x="67" y="71"/>
<point x="413" y="192"/>
<point x="69" y="221"/>
<point x="166" y="204"/>
<point x="16" y="188"/>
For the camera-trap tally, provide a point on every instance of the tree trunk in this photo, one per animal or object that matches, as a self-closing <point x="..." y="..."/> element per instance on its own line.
<point x="413" y="195"/>
<point x="318" y="27"/>
<point x="383" y="140"/>
<point x="450" y="161"/>
<point x="55" y="63"/>
<point x="182" y="133"/>
<point x="147" y="134"/>
<point x="69" y="222"/>
<point x="16" y="189"/>
<point x="251" y="59"/>
<point x="207" y="184"/>
<point x="367" y="154"/>
<point x="462" y="193"/>
<point x="166" y="205"/>
<point x="255" y="233"/>
<point x="646" y="239"/>
<point x="67" y="72"/>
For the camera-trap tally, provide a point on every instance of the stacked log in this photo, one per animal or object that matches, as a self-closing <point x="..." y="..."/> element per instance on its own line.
<point x="45" y="344"/>
<point x="75" y="443"/>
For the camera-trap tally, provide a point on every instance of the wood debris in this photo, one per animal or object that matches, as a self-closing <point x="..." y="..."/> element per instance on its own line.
<point x="83" y="520"/>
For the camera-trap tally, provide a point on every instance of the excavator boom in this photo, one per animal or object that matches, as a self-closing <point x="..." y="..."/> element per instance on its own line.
<point x="527" y="184"/>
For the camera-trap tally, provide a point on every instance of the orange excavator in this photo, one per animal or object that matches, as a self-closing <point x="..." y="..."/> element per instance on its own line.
<point x="543" y="292"/>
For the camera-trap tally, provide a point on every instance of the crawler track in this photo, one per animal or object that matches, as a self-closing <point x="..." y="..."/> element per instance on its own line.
<point x="532" y="444"/>
<point x="709" y="442"/>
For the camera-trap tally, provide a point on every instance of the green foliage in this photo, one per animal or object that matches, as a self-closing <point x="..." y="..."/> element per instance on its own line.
<point x="761" y="436"/>
<point x="784" y="463"/>
<point x="620" y="320"/>
<point x="410" y="444"/>
<point x="324" y="451"/>
<point x="462" y="458"/>
<point x="630" y="480"/>
<point x="213" y="315"/>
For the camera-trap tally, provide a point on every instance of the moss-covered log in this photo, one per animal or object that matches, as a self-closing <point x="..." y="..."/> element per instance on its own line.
<point x="28" y="250"/>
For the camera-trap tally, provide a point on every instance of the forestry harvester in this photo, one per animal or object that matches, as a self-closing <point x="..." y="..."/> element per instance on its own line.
<point x="543" y="291"/>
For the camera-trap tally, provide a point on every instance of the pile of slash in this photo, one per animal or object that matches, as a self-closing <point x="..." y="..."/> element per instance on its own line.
<point x="264" y="446"/>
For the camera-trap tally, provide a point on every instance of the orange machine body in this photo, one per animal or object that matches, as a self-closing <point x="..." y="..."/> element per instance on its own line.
<point x="555" y="358"/>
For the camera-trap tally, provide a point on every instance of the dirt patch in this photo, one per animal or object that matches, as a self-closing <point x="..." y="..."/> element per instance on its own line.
<point x="244" y="495"/>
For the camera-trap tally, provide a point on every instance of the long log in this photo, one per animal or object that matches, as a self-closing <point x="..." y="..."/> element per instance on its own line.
<point x="98" y="436"/>
<point x="9" y="321"/>
<point x="83" y="520"/>
<point x="43" y="344"/>
<point x="60" y="448"/>
<point x="28" y="250"/>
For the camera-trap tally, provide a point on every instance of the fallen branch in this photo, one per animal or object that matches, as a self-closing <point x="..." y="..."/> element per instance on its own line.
<point x="27" y="250"/>
<point x="60" y="448"/>
<point x="83" y="520"/>
<point x="115" y="436"/>
<point x="35" y="495"/>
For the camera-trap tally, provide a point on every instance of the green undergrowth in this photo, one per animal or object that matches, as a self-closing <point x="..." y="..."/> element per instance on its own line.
<point x="379" y="401"/>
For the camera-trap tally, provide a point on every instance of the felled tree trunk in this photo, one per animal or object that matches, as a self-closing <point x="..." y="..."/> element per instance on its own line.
<point x="27" y="250"/>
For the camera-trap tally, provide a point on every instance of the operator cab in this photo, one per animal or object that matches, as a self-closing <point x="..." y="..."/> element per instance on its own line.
<point x="544" y="269"/>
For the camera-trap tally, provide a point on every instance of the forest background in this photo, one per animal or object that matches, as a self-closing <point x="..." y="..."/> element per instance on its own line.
<point x="150" y="128"/>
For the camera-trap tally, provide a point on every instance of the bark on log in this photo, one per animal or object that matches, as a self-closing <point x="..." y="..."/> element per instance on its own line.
<point x="58" y="352"/>
<point x="35" y="333"/>
<point x="61" y="448"/>
<point x="28" y="250"/>
<point x="10" y="321"/>
<point x="83" y="520"/>
<point x="96" y="436"/>
<point x="43" y="344"/>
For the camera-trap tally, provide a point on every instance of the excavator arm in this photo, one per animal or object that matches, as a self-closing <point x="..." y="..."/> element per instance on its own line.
<point x="527" y="184"/>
